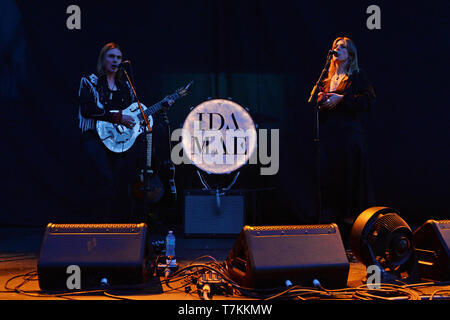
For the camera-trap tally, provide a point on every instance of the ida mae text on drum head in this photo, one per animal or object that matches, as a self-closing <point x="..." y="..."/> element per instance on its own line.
<point x="219" y="136"/>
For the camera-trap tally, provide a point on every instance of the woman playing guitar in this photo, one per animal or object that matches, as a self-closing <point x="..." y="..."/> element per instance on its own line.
<point x="102" y="96"/>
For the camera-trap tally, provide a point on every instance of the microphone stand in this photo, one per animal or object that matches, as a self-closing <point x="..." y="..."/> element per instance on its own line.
<point x="147" y="130"/>
<point x="173" y="188"/>
<point x="147" y="123"/>
<point x="316" y="139"/>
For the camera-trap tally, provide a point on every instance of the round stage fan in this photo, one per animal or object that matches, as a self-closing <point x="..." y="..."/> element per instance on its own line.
<point x="381" y="237"/>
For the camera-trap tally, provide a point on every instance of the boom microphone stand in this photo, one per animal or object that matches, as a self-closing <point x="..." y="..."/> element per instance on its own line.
<point x="316" y="139"/>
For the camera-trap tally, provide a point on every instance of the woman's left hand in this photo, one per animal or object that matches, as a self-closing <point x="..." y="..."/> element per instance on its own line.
<point x="167" y="102"/>
<point x="333" y="99"/>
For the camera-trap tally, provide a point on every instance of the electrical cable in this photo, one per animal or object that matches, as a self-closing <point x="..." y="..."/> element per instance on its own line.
<point x="192" y="273"/>
<point x="17" y="257"/>
<point x="437" y="291"/>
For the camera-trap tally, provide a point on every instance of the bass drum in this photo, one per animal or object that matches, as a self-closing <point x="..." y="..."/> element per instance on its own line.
<point x="219" y="136"/>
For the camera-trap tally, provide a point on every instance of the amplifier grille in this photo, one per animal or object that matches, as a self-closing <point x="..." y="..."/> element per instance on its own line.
<point x="294" y="229"/>
<point x="205" y="214"/>
<point x="95" y="228"/>
<point x="291" y="227"/>
<point x="443" y="224"/>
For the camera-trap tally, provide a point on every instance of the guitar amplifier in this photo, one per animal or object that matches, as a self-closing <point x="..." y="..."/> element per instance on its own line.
<point x="208" y="213"/>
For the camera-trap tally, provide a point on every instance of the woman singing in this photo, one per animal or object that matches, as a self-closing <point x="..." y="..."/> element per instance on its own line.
<point x="347" y="93"/>
<point x="102" y="96"/>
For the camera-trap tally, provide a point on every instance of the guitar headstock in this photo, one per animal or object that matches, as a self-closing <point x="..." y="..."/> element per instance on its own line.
<point x="184" y="90"/>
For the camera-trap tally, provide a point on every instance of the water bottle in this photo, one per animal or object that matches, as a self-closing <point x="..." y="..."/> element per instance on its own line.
<point x="170" y="249"/>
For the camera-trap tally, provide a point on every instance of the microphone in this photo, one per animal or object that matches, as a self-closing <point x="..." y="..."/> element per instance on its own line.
<point x="333" y="52"/>
<point x="124" y="62"/>
<point x="217" y="199"/>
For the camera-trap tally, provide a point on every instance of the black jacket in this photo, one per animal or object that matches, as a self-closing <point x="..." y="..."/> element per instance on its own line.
<point x="94" y="103"/>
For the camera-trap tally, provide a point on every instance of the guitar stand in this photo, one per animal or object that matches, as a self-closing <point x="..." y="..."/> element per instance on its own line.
<point x="145" y="173"/>
<point x="173" y="188"/>
<point x="148" y="171"/>
<point x="146" y="126"/>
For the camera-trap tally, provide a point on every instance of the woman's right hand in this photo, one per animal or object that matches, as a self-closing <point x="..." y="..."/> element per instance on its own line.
<point x="127" y="121"/>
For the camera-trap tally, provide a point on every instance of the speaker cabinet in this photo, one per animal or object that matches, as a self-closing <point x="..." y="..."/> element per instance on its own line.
<point x="267" y="256"/>
<point x="115" y="252"/>
<point x="432" y="243"/>
<point x="209" y="214"/>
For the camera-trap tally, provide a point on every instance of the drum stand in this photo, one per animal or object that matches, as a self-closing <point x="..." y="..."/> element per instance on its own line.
<point x="222" y="191"/>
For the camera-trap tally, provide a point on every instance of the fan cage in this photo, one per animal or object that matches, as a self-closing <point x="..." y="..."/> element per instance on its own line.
<point x="382" y="235"/>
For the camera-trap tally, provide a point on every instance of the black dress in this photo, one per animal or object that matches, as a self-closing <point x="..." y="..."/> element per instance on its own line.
<point x="345" y="186"/>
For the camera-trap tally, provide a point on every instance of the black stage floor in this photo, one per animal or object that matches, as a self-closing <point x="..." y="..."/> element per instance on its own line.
<point x="20" y="247"/>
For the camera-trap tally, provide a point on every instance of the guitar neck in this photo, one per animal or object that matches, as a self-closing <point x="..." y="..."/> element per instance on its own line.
<point x="149" y="150"/>
<point x="158" y="106"/>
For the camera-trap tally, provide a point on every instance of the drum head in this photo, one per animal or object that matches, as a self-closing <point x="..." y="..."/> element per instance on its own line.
<point x="219" y="136"/>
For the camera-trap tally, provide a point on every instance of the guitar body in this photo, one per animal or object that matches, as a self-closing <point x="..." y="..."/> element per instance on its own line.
<point x="149" y="188"/>
<point x="152" y="192"/>
<point x="117" y="137"/>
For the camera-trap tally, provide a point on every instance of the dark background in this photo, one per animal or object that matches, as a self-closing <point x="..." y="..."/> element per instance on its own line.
<point x="266" y="55"/>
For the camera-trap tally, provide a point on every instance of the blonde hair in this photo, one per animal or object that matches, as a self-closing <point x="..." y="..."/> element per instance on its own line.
<point x="101" y="58"/>
<point x="352" y="60"/>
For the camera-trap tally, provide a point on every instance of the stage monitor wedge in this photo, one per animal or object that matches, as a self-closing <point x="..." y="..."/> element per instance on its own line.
<point x="112" y="253"/>
<point x="268" y="256"/>
<point x="432" y="246"/>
